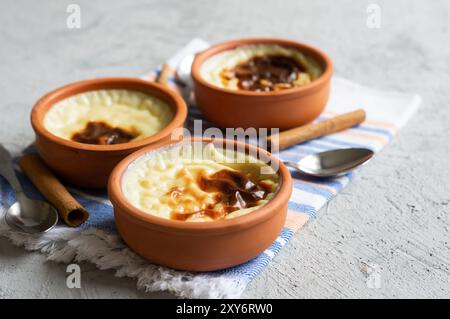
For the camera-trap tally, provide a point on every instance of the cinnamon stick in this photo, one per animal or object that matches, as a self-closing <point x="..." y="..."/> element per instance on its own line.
<point x="72" y="212"/>
<point x="308" y="132"/>
<point x="163" y="77"/>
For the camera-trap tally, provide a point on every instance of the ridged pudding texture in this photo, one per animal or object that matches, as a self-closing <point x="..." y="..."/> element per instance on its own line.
<point x="112" y="115"/>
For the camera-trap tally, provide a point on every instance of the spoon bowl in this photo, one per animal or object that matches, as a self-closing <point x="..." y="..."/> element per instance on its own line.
<point x="332" y="163"/>
<point x="31" y="216"/>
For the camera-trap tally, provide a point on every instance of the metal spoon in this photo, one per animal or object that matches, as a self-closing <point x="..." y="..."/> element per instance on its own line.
<point x="27" y="215"/>
<point x="332" y="163"/>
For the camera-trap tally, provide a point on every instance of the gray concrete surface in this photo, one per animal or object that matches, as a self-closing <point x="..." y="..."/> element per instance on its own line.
<point x="395" y="214"/>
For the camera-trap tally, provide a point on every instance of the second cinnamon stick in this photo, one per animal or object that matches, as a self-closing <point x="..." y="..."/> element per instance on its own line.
<point x="163" y="77"/>
<point x="308" y="132"/>
<point x="72" y="212"/>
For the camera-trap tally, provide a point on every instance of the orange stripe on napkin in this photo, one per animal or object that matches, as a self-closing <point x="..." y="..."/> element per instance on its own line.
<point x="295" y="220"/>
<point x="384" y="124"/>
<point x="364" y="135"/>
<point x="321" y="186"/>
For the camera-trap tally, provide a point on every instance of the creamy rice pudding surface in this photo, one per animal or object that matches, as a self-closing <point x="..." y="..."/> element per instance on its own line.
<point x="179" y="183"/>
<point x="108" y="116"/>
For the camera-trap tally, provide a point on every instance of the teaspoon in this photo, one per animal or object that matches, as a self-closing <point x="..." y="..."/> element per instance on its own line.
<point x="27" y="215"/>
<point x="331" y="163"/>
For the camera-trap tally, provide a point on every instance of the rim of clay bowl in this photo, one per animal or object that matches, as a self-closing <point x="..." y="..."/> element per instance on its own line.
<point x="255" y="217"/>
<point x="316" y="53"/>
<point x="173" y="99"/>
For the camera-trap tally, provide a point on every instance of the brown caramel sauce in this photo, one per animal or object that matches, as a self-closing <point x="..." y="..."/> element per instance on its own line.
<point x="102" y="133"/>
<point x="265" y="73"/>
<point x="232" y="191"/>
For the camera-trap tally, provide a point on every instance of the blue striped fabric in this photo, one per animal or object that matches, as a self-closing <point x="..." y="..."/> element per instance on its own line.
<point x="101" y="216"/>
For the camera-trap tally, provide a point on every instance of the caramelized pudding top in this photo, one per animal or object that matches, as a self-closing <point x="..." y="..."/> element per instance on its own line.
<point x="232" y="190"/>
<point x="260" y="68"/>
<point x="108" y="117"/>
<point x="102" y="133"/>
<point x="265" y="73"/>
<point x="178" y="184"/>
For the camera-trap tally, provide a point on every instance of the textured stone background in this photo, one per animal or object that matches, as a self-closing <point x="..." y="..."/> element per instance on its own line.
<point x="395" y="214"/>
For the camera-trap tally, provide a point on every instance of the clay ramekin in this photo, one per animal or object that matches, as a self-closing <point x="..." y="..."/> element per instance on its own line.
<point x="282" y="109"/>
<point x="88" y="165"/>
<point x="199" y="246"/>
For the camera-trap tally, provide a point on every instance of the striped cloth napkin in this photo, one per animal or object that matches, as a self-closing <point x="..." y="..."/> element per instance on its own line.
<point x="98" y="242"/>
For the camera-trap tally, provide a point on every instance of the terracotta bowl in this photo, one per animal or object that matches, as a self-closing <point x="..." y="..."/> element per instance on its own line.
<point x="199" y="246"/>
<point x="278" y="109"/>
<point x="88" y="165"/>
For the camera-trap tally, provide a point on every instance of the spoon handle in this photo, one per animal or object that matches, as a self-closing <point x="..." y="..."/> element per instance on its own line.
<point x="308" y="132"/>
<point x="7" y="170"/>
